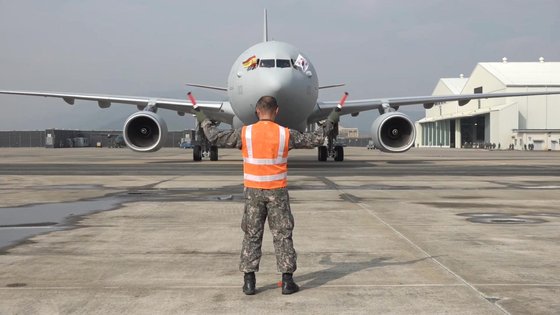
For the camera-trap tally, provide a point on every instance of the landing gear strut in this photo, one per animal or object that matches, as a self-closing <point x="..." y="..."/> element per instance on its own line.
<point x="331" y="150"/>
<point x="203" y="148"/>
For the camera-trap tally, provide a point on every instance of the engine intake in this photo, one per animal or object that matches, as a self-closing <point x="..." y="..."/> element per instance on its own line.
<point x="393" y="132"/>
<point x="144" y="131"/>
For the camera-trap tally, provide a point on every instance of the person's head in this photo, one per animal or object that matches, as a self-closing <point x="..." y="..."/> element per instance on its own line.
<point x="267" y="108"/>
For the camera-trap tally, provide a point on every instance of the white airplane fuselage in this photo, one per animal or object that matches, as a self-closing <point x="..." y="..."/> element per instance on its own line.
<point x="273" y="74"/>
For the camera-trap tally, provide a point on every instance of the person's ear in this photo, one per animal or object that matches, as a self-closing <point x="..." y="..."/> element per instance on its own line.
<point x="277" y="109"/>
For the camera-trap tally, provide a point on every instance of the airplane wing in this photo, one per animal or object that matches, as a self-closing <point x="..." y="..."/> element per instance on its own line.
<point x="323" y="109"/>
<point x="219" y="111"/>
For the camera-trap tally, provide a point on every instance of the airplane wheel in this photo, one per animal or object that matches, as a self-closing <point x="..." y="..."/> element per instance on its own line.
<point x="339" y="153"/>
<point x="322" y="153"/>
<point x="197" y="153"/>
<point x="213" y="153"/>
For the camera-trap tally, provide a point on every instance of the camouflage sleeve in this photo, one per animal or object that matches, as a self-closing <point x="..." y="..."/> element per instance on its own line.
<point x="309" y="140"/>
<point x="222" y="138"/>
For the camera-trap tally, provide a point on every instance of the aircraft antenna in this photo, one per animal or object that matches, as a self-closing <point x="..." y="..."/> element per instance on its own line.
<point x="265" y="27"/>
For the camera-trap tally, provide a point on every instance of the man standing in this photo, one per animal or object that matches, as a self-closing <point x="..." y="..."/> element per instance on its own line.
<point x="265" y="146"/>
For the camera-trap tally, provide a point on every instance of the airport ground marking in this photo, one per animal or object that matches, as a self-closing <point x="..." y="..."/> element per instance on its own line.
<point x="372" y="213"/>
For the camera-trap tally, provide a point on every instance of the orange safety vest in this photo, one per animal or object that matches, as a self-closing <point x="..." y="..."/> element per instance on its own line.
<point x="265" y="155"/>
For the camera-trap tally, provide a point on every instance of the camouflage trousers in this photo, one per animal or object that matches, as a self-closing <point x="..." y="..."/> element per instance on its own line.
<point x="274" y="204"/>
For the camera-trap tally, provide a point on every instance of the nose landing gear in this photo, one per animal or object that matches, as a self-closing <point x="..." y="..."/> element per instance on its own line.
<point x="336" y="152"/>
<point x="200" y="152"/>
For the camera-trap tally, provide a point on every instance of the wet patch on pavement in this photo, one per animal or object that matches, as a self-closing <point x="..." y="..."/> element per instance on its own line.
<point x="500" y="218"/>
<point x="350" y="198"/>
<point x="404" y="162"/>
<point x="452" y="205"/>
<point x="22" y="222"/>
<point x="530" y="184"/>
<point x="543" y="214"/>
<point x="67" y="187"/>
<point x="25" y="221"/>
<point x="42" y="224"/>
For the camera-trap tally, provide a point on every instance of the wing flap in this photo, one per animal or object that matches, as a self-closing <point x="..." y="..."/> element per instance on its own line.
<point x="323" y="109"/>
<point x="215" y="110"/>
<point x="105" y="101"/>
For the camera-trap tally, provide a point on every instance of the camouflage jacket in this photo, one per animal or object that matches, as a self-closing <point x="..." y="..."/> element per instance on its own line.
<point x="298" y="140"/>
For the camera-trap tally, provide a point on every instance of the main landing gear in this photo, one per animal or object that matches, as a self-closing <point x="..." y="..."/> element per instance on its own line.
<point x="331" y="150"/>
<point x="203" y="148"/>
<point x="200" y="152"/>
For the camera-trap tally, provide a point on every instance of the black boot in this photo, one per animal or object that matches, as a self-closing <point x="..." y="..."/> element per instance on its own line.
<point x="249" y="287"/>
<point x="288" y="284"/>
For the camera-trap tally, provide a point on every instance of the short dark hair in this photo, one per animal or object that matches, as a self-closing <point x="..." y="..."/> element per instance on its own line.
<point x="267" y="104"/>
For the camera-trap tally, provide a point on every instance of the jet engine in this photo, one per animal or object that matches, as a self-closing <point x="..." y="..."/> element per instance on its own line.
<point x="144" y="131"/>
<point x="393" y="132"/>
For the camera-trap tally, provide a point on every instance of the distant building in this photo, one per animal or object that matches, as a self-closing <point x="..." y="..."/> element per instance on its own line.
<point x="516" y="122"/>
<point x="63" y="138"/>
<point x="349" y="133"/>
<point x="19" y="139"/>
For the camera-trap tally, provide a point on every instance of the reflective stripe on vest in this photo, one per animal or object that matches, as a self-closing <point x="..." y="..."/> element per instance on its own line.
<point x="265" y="178"/>
<point x="264" y="166"/>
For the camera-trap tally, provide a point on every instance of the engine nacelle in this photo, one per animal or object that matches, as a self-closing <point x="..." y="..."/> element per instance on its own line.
<point x="393" y="132"/>
<point x="144" y="131"/>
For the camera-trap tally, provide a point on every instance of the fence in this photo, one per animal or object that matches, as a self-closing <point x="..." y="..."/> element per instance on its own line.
<point x="60" y="138"/>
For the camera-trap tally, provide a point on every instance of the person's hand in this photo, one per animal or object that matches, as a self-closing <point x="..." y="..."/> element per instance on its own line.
<point x="200" y="117"/>
<point x="334" y="116"/>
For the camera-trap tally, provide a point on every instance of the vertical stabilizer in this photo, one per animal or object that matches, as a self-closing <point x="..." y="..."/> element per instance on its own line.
<point x="265" y="27"/>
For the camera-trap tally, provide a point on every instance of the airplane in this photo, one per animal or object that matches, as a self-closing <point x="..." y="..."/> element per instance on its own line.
<point x="276" y="69"/>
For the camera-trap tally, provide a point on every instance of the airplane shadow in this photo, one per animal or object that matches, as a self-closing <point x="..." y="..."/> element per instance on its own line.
<point x="339" y="270"/>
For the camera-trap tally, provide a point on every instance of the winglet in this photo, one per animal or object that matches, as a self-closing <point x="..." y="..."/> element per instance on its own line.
<point x="265" y="27"/>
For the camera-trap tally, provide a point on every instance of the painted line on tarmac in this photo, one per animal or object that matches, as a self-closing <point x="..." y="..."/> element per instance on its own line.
<point x="371" y="212"/>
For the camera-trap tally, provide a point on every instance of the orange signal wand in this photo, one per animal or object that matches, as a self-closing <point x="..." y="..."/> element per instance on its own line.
<point x="342" y="100"/>
<point x="193" y="101"/>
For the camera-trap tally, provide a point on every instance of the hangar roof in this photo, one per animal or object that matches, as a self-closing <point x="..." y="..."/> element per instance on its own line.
<point x="455" y="85"/>
<point x="524" y="73"/>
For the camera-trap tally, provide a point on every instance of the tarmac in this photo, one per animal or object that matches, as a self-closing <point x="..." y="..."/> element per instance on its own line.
<point x="430" y="231"/>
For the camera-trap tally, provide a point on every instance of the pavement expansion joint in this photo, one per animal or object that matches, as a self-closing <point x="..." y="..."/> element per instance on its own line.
<point x="371" y="212"/>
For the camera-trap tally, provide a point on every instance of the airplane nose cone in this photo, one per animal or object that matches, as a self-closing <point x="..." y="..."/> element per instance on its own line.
<point x="277" y="85"/>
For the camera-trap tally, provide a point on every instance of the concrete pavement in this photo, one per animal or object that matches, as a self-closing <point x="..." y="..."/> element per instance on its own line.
<point x="374" y="234"/>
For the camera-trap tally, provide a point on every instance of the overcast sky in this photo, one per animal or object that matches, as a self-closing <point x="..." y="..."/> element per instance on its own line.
<point x="151" y="48"/>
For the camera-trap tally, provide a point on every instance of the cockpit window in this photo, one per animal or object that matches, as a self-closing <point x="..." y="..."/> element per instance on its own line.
<point x="283" y="63"/>
<point x="267" y="63"/>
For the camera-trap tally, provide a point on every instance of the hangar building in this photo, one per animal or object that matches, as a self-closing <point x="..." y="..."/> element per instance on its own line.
<point x="514" y="122"/>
